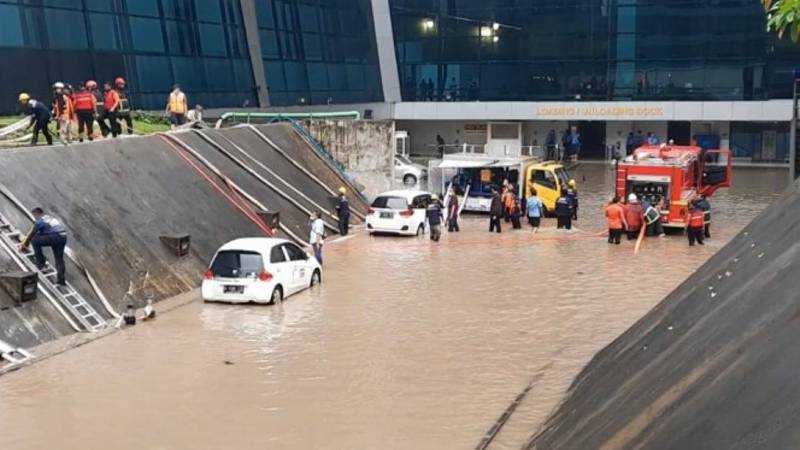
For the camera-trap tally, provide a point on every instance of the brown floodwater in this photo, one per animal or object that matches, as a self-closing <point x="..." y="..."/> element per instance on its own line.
<point x="407" y="344"/>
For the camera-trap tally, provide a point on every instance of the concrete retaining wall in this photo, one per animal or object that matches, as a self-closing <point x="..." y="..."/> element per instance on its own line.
<point x="365" y="147"/>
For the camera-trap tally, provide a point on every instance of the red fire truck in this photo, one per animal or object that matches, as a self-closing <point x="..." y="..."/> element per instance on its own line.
<point x="674" y="173"/>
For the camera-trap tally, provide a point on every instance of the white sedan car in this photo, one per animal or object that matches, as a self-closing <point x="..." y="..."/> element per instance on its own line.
<point x="259" y="270"/>
<point x="398" y="212"/>
<point x="409" y="172"/>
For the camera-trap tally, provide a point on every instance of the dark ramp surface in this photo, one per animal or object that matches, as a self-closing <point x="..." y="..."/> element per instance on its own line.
<point x="713" y="366"/>
<point x="292" y="217"/>
<point x="279" y="171"/>
<point x="285" y="137"/>
<point x="116" y="197"/>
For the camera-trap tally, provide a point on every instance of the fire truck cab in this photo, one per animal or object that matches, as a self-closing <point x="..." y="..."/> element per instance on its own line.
<point x="675" y="174"/>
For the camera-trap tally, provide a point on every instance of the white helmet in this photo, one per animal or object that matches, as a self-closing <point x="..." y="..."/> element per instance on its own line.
<point x="632" y="198"/>
<point x="58" y="85"/>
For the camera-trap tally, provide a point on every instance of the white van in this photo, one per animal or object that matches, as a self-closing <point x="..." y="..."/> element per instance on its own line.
<point x="259" y="270"/>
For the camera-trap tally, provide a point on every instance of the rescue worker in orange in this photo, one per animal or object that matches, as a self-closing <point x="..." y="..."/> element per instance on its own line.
<point x="111" y="102"/>
<point x="100" y="109"/>
<point x="615" y="215"/>
<point x="697" y="223"/>
<point x="634" y="216"/>
<point x="508" y="201"/>
<point x="85" y="105"/>
<point x="124" y="112"/>
<point x="63" y="112"/>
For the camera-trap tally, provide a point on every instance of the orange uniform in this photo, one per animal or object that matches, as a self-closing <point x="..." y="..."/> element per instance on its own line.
<point x="615" y="215"/>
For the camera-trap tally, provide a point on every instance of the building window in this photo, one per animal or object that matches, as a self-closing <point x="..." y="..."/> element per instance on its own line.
<point x="143" y="7"/>
<point x="105" y="31"/>
<point x="65" y="29"/>
<point x="146" y="34"/>
<point x="10" y="26"/>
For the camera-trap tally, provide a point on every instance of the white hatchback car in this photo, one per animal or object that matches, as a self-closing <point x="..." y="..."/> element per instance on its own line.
<point x="398" y="212"/>
<point x="259" y="270"/>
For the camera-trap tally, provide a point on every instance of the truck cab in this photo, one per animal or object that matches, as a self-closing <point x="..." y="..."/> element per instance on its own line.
<point x="548" y="178"/>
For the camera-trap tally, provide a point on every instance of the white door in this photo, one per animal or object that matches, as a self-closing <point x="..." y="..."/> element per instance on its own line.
<point x="281" y="268"/>
<point x="301" y="273"/>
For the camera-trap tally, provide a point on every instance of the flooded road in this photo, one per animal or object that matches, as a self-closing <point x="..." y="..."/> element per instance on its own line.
<point x="407" y="344"/>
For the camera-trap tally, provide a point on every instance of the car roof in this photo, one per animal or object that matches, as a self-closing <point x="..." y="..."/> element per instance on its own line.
<point x="257" y="244"/>
<point x="408" y="194"/>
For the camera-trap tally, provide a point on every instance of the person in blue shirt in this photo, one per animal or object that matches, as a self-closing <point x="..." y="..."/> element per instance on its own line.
<point x="534" y="208"/>
<point x="343" y="212"/>
<point x="572" y="197"/>
<point x="434" y="215"/>
<point x="47" y="231"/>
<point x="40" y="118"/>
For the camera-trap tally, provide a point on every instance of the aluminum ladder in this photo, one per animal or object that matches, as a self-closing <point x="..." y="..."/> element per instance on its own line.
<point x="66" y="295"/>
<point x="13" y="354"/>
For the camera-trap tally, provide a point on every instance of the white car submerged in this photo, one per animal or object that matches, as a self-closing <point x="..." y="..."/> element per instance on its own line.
<point x="398" y="212"/>
<point x="259" y="270"/>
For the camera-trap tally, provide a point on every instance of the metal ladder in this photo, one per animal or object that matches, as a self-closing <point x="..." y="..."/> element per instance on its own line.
<point x="67" y="295"/>
<point x="13" y="354"/>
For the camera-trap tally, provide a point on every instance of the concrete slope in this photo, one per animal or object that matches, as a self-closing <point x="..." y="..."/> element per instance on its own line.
<point x="117" y="197"/>
<point x="713" y="366"/>
<point x="287" y="139"/>
<point x="30" y="323"/>
<point x="292" y="183"/>
<point x="294" y="219"/>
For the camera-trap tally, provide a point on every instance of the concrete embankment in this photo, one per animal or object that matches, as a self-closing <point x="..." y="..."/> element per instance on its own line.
<point x="117" y="197"/>
<point x="713" y="366"/>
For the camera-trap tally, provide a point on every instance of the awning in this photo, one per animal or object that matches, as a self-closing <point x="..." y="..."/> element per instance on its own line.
<point x="464" y="164"/>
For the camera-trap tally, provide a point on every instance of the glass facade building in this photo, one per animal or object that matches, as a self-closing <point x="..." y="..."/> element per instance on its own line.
<point x="319" y="51"/>
<point x="200" y="44"/>
<point x="494" y="50"/>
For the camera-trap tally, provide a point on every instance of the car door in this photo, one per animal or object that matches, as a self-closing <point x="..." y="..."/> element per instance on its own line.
<point x="547" y="187"/>
<point x="301" y="272"/>
<point x="281" y="268"/>
<point x="419" y="204"/>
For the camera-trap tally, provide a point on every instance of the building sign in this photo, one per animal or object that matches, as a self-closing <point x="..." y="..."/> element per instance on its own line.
<point x="600" y="112"/>
<point x="475" y="128"/>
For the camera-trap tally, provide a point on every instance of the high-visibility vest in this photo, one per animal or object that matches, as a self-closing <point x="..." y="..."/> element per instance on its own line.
<point x="177" y="103"/>
<point x="697" y="218"/>
<point x="85" y="101"/>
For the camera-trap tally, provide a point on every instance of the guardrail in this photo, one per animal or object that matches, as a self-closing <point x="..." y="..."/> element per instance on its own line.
<point x="247" y="117"/>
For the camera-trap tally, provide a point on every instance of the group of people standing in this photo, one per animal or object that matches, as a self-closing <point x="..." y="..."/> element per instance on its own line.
<point x="506" y="206"/>
<point x="630" y="218"/>
<point x="83" y="106"/>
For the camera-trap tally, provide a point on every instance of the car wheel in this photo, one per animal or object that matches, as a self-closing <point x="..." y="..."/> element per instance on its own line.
<point x="316" y="278"/>
<point x="420" y="230"/>
<point x="410" y="180"/>
<point x="277" y="296"/>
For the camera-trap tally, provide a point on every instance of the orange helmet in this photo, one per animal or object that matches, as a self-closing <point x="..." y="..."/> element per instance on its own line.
<point x="119" y="82"/>
<point x="91" y="84"/>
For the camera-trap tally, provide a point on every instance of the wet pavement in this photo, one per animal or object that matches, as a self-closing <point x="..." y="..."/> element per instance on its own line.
<point x="407" y="344"/>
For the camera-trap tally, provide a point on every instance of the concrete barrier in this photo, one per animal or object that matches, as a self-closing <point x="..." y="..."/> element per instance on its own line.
<point x="713" y="366"/>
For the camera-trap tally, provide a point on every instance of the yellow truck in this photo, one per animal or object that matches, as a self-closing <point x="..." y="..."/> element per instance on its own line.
<point x="548" y="178"/>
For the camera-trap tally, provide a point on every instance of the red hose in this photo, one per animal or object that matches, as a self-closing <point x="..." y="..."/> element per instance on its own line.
<point x="232" y="196"/>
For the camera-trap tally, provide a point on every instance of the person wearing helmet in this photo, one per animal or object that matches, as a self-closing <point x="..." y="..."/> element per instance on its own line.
<point x="111" y="103"/>
<point x="343" y="212"/>
<point x="63" y="112"/>
<point x="572" y="197"/>
<point x="177" y="106"/>
<point x="634" y="216"/>
<point x="124" y="112"/>
<point x="100" y="109"/>
<point x="434" y="215"/>
<point x="40" y="118"/>
<point x="85" y="105"/>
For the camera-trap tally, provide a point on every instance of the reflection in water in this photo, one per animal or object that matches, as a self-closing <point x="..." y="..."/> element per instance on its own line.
<point x="407" y="344"/>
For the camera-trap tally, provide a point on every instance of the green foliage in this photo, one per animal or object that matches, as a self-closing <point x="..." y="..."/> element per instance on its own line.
<point x="783" y="16"/>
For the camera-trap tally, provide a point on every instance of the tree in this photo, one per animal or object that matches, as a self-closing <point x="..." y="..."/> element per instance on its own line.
<point x="783" y="16"/>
